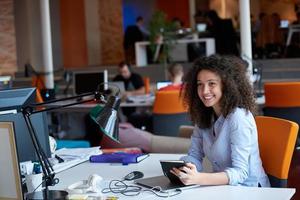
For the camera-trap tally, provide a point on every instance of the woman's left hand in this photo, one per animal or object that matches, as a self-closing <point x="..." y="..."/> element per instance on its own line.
<point x="187" y="174"/>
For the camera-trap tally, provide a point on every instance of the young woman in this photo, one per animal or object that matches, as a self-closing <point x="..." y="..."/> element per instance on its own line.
<point x="221" y="105"/>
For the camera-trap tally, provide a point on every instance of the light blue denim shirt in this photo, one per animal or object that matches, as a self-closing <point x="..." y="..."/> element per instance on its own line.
<point x="233" y="149"/>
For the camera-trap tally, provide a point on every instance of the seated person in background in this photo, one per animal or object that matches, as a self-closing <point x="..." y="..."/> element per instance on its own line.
<point x="221" y="103"/>
<point x="175" y="74"/>
<point x="134" y="84"/>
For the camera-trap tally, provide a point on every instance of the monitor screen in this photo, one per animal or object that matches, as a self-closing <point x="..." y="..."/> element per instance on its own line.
<point x="89" y="81"/>
<point x="201" y="27"/>
<point x="10" y="181"/>
<point x="162" y="84"/>
<point x="5" y="82"/>
<point x="284" y="23"/>
<point x="11" y="102"/>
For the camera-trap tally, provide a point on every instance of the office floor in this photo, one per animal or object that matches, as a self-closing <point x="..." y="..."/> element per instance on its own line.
<point x="294" y="174"/>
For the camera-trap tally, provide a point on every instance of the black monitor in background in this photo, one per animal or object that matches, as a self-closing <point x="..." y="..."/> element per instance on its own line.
<point x="88" y="81"/>
<point x="11" y="102"/>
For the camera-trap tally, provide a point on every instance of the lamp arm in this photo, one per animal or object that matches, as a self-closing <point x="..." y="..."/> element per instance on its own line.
<point x="27" y="111"/>
<point x="44" y="162"/>
<point x="97" y="97"/>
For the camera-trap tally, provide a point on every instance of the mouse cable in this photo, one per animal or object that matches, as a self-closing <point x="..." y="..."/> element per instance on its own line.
<point x="119" y="186"/>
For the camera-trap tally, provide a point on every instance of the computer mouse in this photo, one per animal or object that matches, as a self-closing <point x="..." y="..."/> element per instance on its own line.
<point x="133" y="175"/>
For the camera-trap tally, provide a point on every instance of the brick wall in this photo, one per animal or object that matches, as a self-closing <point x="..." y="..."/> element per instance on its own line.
<point x="111" y="31"/>
<point x="8" y="64"/>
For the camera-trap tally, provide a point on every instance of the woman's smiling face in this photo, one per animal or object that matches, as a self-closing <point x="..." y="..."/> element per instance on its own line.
<point x="209" y="87"/>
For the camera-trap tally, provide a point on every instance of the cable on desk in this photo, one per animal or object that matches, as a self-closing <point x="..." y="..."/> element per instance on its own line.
<point x="119" y="186"/>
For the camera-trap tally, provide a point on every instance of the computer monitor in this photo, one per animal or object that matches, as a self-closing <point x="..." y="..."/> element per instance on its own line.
<point x="161" y="84"/>
<point x="284" y="23"/>
<point x="201" y="27"/>
<point x="5" y="82"/>
<point x="88" y="81"/>
<point x="10" y="181"/>
<point x="11" y="102"/>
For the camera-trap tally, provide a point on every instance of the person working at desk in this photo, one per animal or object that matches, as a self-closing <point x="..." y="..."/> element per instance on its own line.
<point x="221" y="104"/>
<point x="134" y="84"/>
<point x="175" y="74"/>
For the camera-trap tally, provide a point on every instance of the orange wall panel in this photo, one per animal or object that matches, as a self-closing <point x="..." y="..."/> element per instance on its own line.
<point x="73" y="33"/>
<point x="175" y="8"/>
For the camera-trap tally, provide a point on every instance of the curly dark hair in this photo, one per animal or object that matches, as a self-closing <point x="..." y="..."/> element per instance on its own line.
<point x="236" y="88"/>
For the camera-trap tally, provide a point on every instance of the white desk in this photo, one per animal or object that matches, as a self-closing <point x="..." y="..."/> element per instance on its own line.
<point x="141" y="52"/>
<point x="86" y="107"/>
<point x="294" y="28"/>
<point x="151" y="167"/>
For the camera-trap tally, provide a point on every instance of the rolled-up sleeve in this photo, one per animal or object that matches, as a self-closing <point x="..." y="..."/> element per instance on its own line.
<point x="195" y="154"/>
<point x="240" y="141"/>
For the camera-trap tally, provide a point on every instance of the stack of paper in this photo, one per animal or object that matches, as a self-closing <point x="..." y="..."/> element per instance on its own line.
<point x="74" y="156"/>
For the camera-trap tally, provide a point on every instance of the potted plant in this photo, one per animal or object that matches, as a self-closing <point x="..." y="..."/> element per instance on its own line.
<point x="161" y="36"/>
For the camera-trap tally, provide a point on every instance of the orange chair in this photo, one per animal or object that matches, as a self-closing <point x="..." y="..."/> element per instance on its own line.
<point x="282" y="94"/>
<point x="169" y="113"/>
<point x="146" y="81"/>
<point x="283" y="101"/>
<point x="276" y="138"/>
<point x="38" y="82"/>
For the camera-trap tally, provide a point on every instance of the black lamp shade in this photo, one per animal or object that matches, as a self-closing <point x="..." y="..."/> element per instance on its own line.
<point x="107" y="118"/>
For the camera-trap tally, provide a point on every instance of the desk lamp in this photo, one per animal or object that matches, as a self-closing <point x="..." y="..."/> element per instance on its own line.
<point x="106" y="120"/>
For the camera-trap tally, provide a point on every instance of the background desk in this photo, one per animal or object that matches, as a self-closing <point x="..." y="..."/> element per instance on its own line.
<point x="72" y="119"/>
<point x="141" y="51"/>
<point x="151" y="167"/>
<point x="86" y="107"/>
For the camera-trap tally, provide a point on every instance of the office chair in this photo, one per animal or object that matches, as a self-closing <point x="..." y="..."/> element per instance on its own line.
<point x="283" y="101"/>
<point x="169" y="113"/>
<point x="276" y="138"/>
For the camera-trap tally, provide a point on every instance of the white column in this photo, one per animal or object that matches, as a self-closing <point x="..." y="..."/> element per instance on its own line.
<point x="46" y="44"/>
<point x="93" y="31"/>
<point x="245" y="29"/>
<point x="192" y="9"/>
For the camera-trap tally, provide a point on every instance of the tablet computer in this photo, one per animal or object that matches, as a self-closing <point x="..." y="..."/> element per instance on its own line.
<point x="167" y="182"/>
<point x="167" y="165"/>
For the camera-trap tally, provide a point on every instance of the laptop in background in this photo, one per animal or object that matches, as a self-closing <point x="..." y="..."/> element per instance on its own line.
<point x="119" y="84"/>
<point x="161" y="84"/>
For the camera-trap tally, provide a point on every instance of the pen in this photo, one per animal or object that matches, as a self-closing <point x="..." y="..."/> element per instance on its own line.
<point x="111" y="198"/>
<point x="60" y="160"/>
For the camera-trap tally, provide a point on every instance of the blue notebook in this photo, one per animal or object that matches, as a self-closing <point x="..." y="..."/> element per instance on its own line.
<point x="119" y="157"/>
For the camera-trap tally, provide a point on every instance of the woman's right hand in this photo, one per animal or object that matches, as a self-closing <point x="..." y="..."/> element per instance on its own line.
<point x="187" y="174"/>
